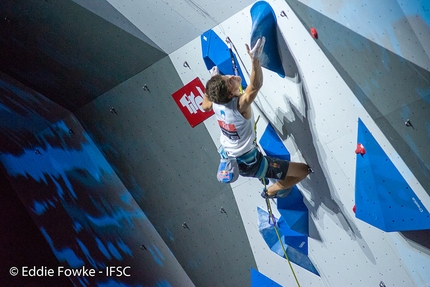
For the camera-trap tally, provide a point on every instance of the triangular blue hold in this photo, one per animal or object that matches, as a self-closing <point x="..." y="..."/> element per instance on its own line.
<point x="216" y="53"/>
<point x="296" y="220"/>
<point x="260" y="280"/>
<point x="266" y="230"/>
<point x="264" y="24"/>
<point x="294" y="211"/>
<point x="293" y="238"/>
<point x="272" y="144"/>
<point x="302" y="260"/>
<point x="296" y="245"/>
<point x="382" y="196"/>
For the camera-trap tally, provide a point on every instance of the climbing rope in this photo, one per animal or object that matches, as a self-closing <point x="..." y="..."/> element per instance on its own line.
<point x="258" y="105"/>
<point x="269" y="207"/>
<point x="233" y="61"/>
<point x="255" y="129"/>
<point x="273" y="218"/>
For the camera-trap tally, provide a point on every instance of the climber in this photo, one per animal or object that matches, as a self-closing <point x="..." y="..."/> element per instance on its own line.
<point x="236" y="120"/>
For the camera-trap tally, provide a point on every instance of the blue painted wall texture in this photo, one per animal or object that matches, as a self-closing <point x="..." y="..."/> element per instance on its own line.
<point x="81" y="207"/>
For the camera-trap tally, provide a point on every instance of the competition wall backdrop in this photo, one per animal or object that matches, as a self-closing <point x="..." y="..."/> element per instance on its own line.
<point x="105" y="169"/>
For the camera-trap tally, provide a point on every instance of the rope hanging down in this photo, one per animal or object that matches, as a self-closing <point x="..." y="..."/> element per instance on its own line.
<point x="269" y="207"/>
<point x="273" y="218"/>
<point x="231" y="45"/>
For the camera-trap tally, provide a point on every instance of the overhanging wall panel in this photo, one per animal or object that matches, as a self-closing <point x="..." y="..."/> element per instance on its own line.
<point x="66" y="52"/>
<point x="81" y="207"/>
<point x="180" y="22"/>
<point x="170" y="169"/>
<point x="105" y="10"/>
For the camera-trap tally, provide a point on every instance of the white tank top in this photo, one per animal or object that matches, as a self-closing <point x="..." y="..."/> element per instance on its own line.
<point x="237" y="133"/>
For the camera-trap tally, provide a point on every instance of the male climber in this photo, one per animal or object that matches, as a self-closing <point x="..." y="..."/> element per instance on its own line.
<point x="236" y="120"/>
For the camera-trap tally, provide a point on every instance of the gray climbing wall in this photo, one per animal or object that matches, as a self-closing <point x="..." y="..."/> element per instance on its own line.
<point x="391" y="88"/>
<point x="169" y="169"/>
<point x="90" y="57"/>
<point x="67" y="53"/>
<point x="72" y="53"/>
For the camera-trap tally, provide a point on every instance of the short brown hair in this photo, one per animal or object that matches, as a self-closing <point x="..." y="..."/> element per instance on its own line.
<point x="216" y="90"/>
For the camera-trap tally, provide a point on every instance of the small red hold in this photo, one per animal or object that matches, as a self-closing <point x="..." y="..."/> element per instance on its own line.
<point x="354" y="208"/>
<point x="314" y="33"/>
<point x="360" y="149"/>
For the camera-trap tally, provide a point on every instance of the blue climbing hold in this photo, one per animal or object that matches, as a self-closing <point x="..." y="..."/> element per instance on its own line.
<point x="383" y="198"/>
<point x="264" y="23"/>
<point x="216" y="53"/>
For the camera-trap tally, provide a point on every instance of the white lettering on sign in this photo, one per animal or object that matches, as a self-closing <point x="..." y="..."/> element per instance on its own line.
<point x="193" y="103"/>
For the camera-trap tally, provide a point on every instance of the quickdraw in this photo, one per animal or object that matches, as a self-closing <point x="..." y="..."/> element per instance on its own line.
<point x="271" y="216"/>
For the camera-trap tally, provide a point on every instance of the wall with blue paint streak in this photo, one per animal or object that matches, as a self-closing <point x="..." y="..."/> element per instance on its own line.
<point x="85" y="213"/>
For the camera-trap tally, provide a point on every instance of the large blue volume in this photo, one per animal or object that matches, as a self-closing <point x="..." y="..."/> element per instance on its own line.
<point x="216" y="53"/>
<point x="260" y="280"/>
<point x="383" y="198"/>
<point x="264" y="24"/>
<point x="272" y="144"/>
<point x="293" y="226"/>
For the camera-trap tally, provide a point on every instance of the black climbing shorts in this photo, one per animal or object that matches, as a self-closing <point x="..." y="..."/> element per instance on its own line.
<point x="255" y="164"/>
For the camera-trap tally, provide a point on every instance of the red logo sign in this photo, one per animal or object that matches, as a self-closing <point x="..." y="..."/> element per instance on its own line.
<point x="189" y="99"/>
